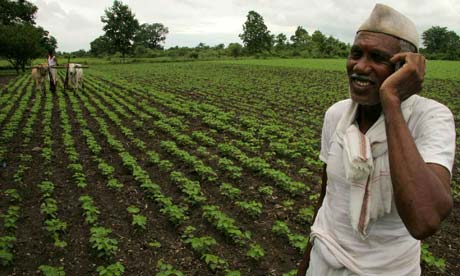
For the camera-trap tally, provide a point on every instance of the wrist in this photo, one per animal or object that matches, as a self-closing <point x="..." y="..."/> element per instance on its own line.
<point x="389" y="99"/>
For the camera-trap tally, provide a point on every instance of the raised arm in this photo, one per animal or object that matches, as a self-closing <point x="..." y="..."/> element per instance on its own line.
<point x="422" y="190"/>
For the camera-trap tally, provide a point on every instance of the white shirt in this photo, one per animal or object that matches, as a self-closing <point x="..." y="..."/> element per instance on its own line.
<point x="389" y="249"/>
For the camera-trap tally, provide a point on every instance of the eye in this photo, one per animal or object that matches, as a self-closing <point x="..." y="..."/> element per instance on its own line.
<point x="380" y="58"/>
<point x="355" y="53"/>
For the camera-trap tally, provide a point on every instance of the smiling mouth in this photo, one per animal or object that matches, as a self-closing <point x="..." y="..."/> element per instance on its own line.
<point x="361" y="81"/>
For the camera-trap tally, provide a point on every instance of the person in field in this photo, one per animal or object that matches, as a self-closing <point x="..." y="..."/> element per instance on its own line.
<point x="52" y="62"/>
<point x="388" y="155"/>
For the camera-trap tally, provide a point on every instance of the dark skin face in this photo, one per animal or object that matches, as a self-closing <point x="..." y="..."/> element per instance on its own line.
<point x="368" y="65"/>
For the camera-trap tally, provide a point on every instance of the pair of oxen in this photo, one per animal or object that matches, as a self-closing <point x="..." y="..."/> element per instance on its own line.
<point x="41" y="73"/>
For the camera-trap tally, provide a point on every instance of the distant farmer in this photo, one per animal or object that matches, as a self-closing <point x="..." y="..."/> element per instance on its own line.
<point x="388" y="155"/>
<point x="52" y="62"/>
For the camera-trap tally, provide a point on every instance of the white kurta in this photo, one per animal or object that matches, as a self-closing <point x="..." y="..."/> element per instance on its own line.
<point x="389" y="248"/>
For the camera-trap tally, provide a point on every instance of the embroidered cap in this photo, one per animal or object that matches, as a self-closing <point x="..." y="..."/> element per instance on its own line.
<point x="384" y="19"/>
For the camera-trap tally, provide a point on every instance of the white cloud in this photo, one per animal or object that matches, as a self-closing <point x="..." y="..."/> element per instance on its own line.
<point x="75" y="23"/>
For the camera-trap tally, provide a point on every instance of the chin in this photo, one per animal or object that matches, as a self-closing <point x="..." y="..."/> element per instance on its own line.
<point x="363" y="100"/>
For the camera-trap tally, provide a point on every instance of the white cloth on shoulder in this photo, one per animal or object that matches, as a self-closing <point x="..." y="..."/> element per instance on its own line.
<point x="366" y="167"/>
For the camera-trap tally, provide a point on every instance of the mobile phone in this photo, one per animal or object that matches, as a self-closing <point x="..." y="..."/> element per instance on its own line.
<point x="398" y="65"/>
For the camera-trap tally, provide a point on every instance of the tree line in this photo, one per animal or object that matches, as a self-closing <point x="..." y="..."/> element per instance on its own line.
<point x="147" y="40"/>
<point x="21" y="40"/>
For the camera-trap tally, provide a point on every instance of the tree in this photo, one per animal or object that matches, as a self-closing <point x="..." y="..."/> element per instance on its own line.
<point x="235" y="49"/>
<point x="120" y="27"/>
<point x="301" y="38"/>
<point x="100" y="46"/>
<point x="256" y="37"/>
<point x="151" y="35"/>
<point x="319" y="43"/>
<point x="442" y="42"/>
<point x="14" y="12"/>
<point x="20" y="40"/>
<point x="280" y="41"/>
<point x="20" y="43"/>
<point x="49" y="43"/>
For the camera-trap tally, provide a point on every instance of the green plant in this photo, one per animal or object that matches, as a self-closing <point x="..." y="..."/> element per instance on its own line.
<point x="306" y="214"/>
<point x="288" y="204"/>
<point x="226" y="189"/>
<point x="91" y="212"/>
<point x="6" y="245"/>
<point x="214" y="262"/>
<point x="51" y="270"/>
<point x="46" y="188"/>
<point x="428" y="258"/>
<point x="11" y="217"/>
<point x="113" y="183"/>
<point x="139" y="221"/>
<point x="100" y="241"/>
<point x="13" y="195"/>
<point x="252" y="208"/>
<point x="255" y="252"/>
<point x="266" y="190"/>
<point x="154" y="244"/>
<point x="290" y="273"/>
<point x="115" y="269"/>
<point x="167" y="270"/>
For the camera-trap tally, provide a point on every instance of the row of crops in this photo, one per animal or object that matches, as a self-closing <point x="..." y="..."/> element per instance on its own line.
<point x="162" y="172"/>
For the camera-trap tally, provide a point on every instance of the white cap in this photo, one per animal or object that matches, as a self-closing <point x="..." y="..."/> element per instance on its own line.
<point x="384" y="19"/>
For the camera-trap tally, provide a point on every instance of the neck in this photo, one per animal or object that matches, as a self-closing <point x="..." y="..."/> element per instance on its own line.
<point x="367" y="116"/>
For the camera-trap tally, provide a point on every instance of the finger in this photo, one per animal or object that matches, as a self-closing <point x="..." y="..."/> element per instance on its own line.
<point x="398" y="57"/>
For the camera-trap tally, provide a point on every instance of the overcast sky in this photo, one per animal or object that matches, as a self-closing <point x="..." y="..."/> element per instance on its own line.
<point x="75" y="23"/>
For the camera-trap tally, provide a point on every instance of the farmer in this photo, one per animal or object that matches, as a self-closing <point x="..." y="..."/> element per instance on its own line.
<point x="52" y="62"/>
<point x="388" y="155"/>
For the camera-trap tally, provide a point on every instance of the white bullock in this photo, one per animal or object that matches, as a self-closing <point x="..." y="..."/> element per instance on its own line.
<point x="39" y="74"/>
<point x="75" y="75"/>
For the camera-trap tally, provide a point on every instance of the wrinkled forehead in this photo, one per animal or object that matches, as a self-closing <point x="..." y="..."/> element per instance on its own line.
<point x="381" y="41"/>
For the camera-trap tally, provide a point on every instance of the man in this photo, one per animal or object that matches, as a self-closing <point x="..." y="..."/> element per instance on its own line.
<point x="52" y="62"/>
<point x="388" y="156"/>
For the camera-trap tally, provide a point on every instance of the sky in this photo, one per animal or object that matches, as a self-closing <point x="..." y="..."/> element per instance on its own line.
<point x="75" y="23"/>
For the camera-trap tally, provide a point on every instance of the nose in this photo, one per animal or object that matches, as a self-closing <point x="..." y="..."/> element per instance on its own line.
<point x="362" y="66"/>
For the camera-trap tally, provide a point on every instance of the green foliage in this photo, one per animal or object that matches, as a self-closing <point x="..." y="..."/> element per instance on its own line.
<point x="51" y="270"/>
<point x="167" y="270"/>
<point x="290" y="273"/>
<point x="6" y="246"/>
<point x="154" y="244"/>
<point x="428" y="258"/>
<point x="49" y="207"/>
<point x="120" y="26"/>
<point x="14" y="12"/>
<point x="256" y="36"/>
<point x="113" y="183"/>
<point x="90" y="211"/>
<point x="306" y="214"/>
<point x="115" y="269"/>
<point x="11" y="217"/>
<point x="226" y="189"/>
<point x="199" y="244"/>
<point x="105" y="246"/>
<point x="440" y="43"/>
<point x="297" y="241"/>
<point x="214" y="262"/>
<point x="151" y="35"/>
<point x="266" y="190"/>
<point x="252" y="208"/>
<point x="139" y="221"/>
<point x="225" y="224"/>
<point x="13" y="195"/>
<point x="20" y="43"/>
<point x="256" y="252"/>
<point x="133" y="209"/>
